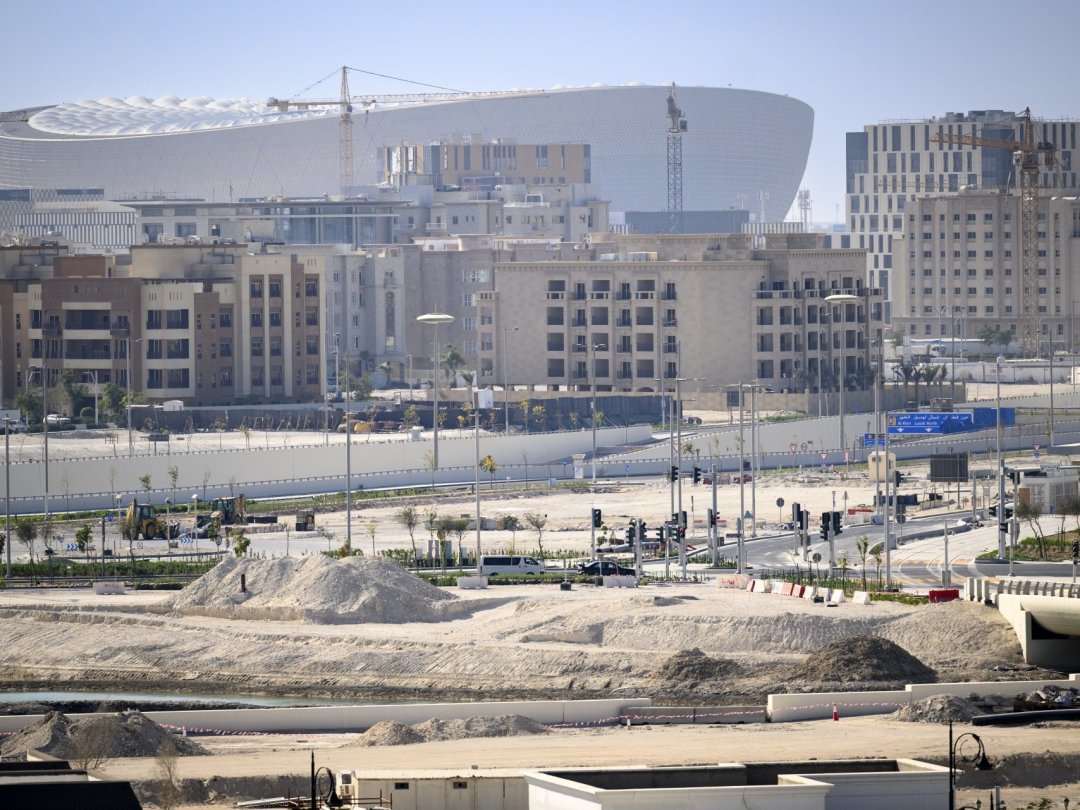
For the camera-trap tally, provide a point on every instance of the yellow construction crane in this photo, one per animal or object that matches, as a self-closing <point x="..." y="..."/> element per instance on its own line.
<point x="1026" y="153"/>
<point x="347" y="102"/>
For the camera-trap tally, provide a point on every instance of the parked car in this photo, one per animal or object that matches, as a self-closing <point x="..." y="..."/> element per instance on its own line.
<point x="605" y="568"/>
<point x="56" y="419"/>
<point x="692" y="420"/>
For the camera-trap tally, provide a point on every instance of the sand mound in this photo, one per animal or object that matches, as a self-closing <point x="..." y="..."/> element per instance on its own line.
<point x="389" y="732"/>
<point x="957" y="636"/>
<point x="130" y="734"/>
<point x="505" y="725"/>
<point x="938" y="709"/>
<point x="860" y="659"/>
<point x="316" y="588"/>
<point x="692" y="666"/>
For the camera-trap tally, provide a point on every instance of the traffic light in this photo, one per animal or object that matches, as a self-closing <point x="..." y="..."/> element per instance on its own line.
<point x="796" y="513"/>
<point x="836" y="523"/>
<point x="697" y="475"/>
<point x="1076" y="550"/>
<point x="712" y="518"/>
<point x="642" y="528"/>
<point x="660" y="533"/>
<point x="826" y="524"/>
<point x="630" y="535"/>
<point x="597" y="519"/>
<point x="674" y="473"/>
<point x="896" y="478"/>
<point x="682" y="533"/>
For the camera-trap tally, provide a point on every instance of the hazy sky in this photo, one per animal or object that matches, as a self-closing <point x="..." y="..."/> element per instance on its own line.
<point x="854" y="61"/>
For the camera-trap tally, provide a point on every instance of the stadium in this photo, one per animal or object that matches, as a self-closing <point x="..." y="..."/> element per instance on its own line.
<point x="739" y="143"/>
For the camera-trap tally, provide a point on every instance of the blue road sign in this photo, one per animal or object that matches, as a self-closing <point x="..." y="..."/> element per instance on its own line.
<point x="871" y="440"/>
<point x="923" y="423"/>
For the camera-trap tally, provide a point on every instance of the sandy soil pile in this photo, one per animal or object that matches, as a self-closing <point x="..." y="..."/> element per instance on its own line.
<point x="862" y="659"/>
<point x="693" y="666"/>
<point x="938" y="709"/>
<point x="389" y="732"/>
<point x="315" y="588"/>
<point x="959" y="637"/>
<point x="130" y="734"/>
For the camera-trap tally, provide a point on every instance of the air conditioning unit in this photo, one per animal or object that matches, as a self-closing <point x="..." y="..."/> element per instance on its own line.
<point x="346" y="786"/>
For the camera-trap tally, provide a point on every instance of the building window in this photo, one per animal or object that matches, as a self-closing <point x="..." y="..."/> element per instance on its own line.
<point x="256" y="289"/>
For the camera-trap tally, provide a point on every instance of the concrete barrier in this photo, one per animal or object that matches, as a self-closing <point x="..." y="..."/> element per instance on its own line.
<point x="472" y="583"/>
<point x="108" y="587"/>
<point x="620" y="581"/>
<point x="696" y="715"/>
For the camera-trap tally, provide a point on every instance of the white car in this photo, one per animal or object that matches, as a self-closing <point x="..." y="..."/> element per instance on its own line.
<point x="56" y="419"/>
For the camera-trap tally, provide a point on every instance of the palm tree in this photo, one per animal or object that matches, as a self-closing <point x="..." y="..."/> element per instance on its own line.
<point x="862" y="545"/>
<point x="488" y="465"/>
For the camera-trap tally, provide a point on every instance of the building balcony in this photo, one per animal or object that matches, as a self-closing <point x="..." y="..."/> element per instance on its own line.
<point x="624" y="322"/>
<point x="52" y="331"/>
<point x="671" y="322"/>
<point x="556" y="295"/>
<point x="600" y="295"/>
<point x="645" y="295"/>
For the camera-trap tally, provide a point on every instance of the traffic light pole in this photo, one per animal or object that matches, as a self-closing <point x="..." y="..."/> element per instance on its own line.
<point x="742" y="492"/>
<point x="885" y="510"/>
<point x="714" y="529"/>
<point x="637" y="550"/>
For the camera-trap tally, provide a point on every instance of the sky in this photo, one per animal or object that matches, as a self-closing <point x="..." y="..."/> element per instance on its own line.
<point x="854" y="62"/>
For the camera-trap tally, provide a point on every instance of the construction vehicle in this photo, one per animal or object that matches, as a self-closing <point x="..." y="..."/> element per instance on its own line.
<point x="305" y="520"/>
<point x="226" y="511"/>
<point x="148" y="525"/>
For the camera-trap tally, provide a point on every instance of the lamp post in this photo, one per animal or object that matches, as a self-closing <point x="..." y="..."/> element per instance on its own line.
<point x="435" y="318"/>
<point x="408" y="375"/>
<point x="130" y="392"/>
<point x="348" y="450"/>
<point x="956" y="756"/>
<point x="44" y="376"/>
<point x="195" y="520"/>
<point x="7" y="493"/>
<point x="506" y="366"/>
<point x="1002" y="525"/>
<point x="842" y="299"/>
<point x="592" y="380"/>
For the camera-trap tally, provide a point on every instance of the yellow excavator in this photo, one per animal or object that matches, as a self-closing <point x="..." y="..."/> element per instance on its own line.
<point x="226" y="511"/>
<point x="148" y="525"/>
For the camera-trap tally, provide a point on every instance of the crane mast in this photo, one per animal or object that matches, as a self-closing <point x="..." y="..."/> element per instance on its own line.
<point x="675" y="130"/>
<point x="1026" y="152"/>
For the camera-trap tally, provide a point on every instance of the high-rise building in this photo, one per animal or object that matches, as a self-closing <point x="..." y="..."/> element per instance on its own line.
<point x="893" y="163"/>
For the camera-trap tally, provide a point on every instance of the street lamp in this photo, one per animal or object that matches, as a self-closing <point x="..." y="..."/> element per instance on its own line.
<point x="43" y="376"/>
<point x="506" y="365"/>
<point x="1000" y="466"/>
<point x="348" y="449"/>
<point x="435" y="318"/>
<point x="977" y="757"/>
<point x="592" y="379"/>
<point x="842" y="299"/>
<point x="130" y="391"/>
<point x="7" y="493"/>
<point x="195" y="520"/>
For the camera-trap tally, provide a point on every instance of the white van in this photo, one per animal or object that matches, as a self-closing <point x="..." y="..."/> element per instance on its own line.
<point x="507" y="565"/>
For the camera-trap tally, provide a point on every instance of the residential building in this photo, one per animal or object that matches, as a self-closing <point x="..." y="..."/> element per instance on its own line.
<point x="893" y="163"/>
<point x="958" y="266"/>
<point x="208" y="326"/>
<point x="628" y="312"/>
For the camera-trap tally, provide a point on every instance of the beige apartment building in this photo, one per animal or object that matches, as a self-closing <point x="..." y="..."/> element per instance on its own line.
<point x="634" y="313"/>
<point x="959" y="267"/>
<point x="204" y="325"/>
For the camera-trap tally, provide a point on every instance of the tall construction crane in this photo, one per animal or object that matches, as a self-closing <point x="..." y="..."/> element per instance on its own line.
<point x="1026" y="152"/>
<point x="346" y="103"/>
<point x="675" y="130"/>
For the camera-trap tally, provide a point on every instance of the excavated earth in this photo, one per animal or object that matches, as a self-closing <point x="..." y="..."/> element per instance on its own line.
<point x="366" y="629"/>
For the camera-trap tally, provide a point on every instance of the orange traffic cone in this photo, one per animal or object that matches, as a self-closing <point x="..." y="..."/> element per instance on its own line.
<point x="835" y="713"/>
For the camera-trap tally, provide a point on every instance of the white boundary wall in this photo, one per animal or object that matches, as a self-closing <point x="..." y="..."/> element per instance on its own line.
<point x="294" y="469"/>
<point x="360" y="717"/>
<point x="818" y="705"/>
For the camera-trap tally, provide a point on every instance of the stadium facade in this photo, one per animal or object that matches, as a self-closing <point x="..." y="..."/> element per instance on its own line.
<point x="739" y="143"/>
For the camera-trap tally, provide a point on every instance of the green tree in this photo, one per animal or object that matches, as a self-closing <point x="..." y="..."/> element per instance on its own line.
<point x="240" y="541"/>
<point x="371" y="529"/>
<point x="451" y="361"/>
<point x="862" y="545"/>
<point x="29" y="404"/>
<point x="488" y="465"/>
<point x="362" y="387"/>
<point x="111" y="403"/>
<point x="1031" y="514"/>
<point x="993" y="335"/>
<point x="539" y="412"/>
<point x="174" y="475"/>
<point x="84" y="536"/>
<point x="408" y="517"/>
<point x="537" y="522"/>
<point x="410" y="417"/>
<point x="512" y="524"/>
<point x="26" y="531"/>
<point x="144" y="482"/>
<point x="75" y="393"/>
